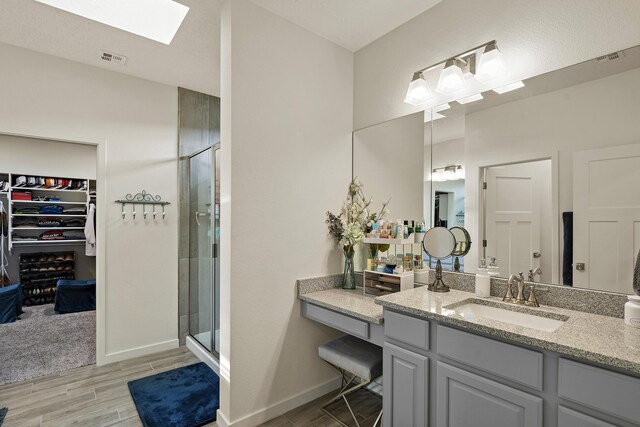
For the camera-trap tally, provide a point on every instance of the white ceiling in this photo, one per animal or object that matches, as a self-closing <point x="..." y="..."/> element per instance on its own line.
<point x="352" y="24"/>
<point x="192" y="60"/>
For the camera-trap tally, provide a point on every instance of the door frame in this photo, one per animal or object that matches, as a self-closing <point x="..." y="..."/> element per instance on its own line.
<point x="101" y="228"/>
<point x="476" y="173"/>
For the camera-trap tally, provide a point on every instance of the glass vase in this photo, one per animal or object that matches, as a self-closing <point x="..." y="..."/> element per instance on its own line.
<point x="349" y="276"/>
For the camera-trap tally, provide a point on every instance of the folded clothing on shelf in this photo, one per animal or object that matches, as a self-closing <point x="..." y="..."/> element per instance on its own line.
<point x="25" y="222"/>
<point x="23" y="238"/>
<point x="26" y="210"/>
<point x="80" y="210"/>
<point x="49" y="222"/>
<point x="74" y="235"/>
<point x="51" y="209"/>
<point x="73" y="222"/>
<point x="52" y="235"/>
<point x="21" y="195"/>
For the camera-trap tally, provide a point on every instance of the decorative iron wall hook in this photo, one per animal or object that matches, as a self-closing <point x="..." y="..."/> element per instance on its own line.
<point x="143" y="198"/>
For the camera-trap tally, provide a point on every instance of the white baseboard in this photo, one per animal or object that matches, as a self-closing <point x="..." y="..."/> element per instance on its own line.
<point x="279" y="408"/>
<point x="201" y="353"/>
<point x="119" y="356"/>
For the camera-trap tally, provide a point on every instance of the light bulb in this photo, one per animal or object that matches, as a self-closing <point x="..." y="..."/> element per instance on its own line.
<point x="451" y="78"/>
<point x="490" y="65"/>
<point x="418" y="92"/>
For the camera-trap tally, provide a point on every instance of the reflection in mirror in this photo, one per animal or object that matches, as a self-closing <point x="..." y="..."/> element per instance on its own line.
<point x="560" y="157"/>
<point x="550" y="174"/>
<point x="518" y="197"/>
<point x="439" y="243"/>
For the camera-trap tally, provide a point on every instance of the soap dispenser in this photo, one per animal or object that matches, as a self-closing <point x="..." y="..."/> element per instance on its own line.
<point x="483" y="281"/>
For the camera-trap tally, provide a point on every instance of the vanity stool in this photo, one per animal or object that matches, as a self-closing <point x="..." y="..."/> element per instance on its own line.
<point x="356" y="358"/>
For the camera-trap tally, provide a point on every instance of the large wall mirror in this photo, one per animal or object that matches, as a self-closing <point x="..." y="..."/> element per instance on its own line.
<point x="545" y="178"/>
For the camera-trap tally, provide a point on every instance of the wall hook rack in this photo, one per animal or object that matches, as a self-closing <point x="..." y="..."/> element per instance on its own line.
<point x="145" y="199"/>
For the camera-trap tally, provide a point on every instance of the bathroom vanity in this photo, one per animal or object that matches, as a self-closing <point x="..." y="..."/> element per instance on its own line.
<point x="443" y="367"/>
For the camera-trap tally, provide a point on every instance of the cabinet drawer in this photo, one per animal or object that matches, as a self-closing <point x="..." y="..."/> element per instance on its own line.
<point x="355" y="327"/>
<point x="570" y="418"/>
<point x="508" y="361"/>
<point x="407" y="329"/>
<point x="600" y="389"/>
<point x="465" y="399"/>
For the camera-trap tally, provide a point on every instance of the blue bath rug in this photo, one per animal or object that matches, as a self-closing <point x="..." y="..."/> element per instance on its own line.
<point x="183" y="397"/>
<point x="3" y="413"/>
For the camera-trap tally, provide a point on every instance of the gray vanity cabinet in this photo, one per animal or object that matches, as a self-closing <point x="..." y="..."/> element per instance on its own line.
<point x="465" y="399"/>
<point x="406" y="387"/>
<point x="439" y="376"/>
<point x="569" y="418"/>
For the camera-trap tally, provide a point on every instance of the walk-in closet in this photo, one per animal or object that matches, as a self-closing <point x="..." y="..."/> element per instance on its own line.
<point x="48" y="256"/>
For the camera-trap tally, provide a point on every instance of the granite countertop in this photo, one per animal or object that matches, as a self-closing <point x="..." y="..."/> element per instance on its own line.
<point x="350" y="302"/>
<point x="594" y="338"/>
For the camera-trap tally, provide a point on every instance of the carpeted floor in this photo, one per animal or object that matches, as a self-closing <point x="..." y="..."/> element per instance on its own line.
<point x="43" y="343"/>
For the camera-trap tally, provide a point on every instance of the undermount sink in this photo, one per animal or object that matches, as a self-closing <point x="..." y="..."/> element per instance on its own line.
<point x="472" y="312"/>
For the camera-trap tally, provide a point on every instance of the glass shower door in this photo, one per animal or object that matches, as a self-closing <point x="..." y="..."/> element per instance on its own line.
<point x="201" y="266"/>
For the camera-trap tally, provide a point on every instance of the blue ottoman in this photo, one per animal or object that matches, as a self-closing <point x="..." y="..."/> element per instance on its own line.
<point x="73" y="296"/>
<point x="10" y="303"/>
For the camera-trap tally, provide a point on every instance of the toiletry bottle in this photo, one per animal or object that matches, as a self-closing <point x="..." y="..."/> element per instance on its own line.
<point x="406" y="229"/>
<point x="632" y="311"/>
<point x="483" y="281"/>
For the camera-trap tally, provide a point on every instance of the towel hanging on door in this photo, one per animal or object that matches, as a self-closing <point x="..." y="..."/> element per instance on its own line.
<point x="90" y="232"/>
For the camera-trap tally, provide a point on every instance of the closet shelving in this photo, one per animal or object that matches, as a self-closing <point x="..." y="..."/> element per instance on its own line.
<point x="23" y="232"/>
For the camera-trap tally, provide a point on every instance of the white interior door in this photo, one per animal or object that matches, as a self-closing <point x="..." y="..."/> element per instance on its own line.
<point x="518" y="200"/>
<point x="606" y="218"/>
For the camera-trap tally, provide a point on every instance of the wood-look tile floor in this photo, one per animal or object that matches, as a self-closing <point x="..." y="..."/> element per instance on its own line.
<point x="87" y="396"/>
<point x="97" y="396"/>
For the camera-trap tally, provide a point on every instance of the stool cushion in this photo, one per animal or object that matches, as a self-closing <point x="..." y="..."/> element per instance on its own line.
<point x="354" y="355"/>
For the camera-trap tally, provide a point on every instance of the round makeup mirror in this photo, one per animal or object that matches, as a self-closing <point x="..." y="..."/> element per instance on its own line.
<point x="439" y="243"/>
<point x="463" y="241"/>
<point x="463" y="245"/>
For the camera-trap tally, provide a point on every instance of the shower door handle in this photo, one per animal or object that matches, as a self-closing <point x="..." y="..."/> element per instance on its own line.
<point x="198" y="215"/>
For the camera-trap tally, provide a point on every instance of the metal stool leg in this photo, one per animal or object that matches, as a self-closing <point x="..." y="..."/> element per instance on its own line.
<point x="344" y="391"/>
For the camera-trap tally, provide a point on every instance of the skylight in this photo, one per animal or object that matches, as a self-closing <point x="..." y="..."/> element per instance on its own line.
<point x="157" y="20"/>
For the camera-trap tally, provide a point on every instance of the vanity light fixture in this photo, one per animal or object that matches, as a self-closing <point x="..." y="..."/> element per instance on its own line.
<point x="472" y="98"/>
<point x="451" y="78"/>
<point x="448" y="173"/>
<point x="490" y="65"/>
<point x="418" y="92"/>
<point x="509" y="87"/>
<point x="456" y="71"/>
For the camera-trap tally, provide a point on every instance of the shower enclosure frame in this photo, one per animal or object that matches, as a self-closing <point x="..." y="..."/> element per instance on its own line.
<point x="207" y="351"/>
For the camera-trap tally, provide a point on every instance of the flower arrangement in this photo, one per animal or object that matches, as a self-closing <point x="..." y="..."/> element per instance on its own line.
<point x="349" y="227"/>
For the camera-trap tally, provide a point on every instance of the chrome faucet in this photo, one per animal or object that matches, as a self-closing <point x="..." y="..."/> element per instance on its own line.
<point x="508" y="297"/>
<point x="520" y="299"/>
<point x="533" y="273"/>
